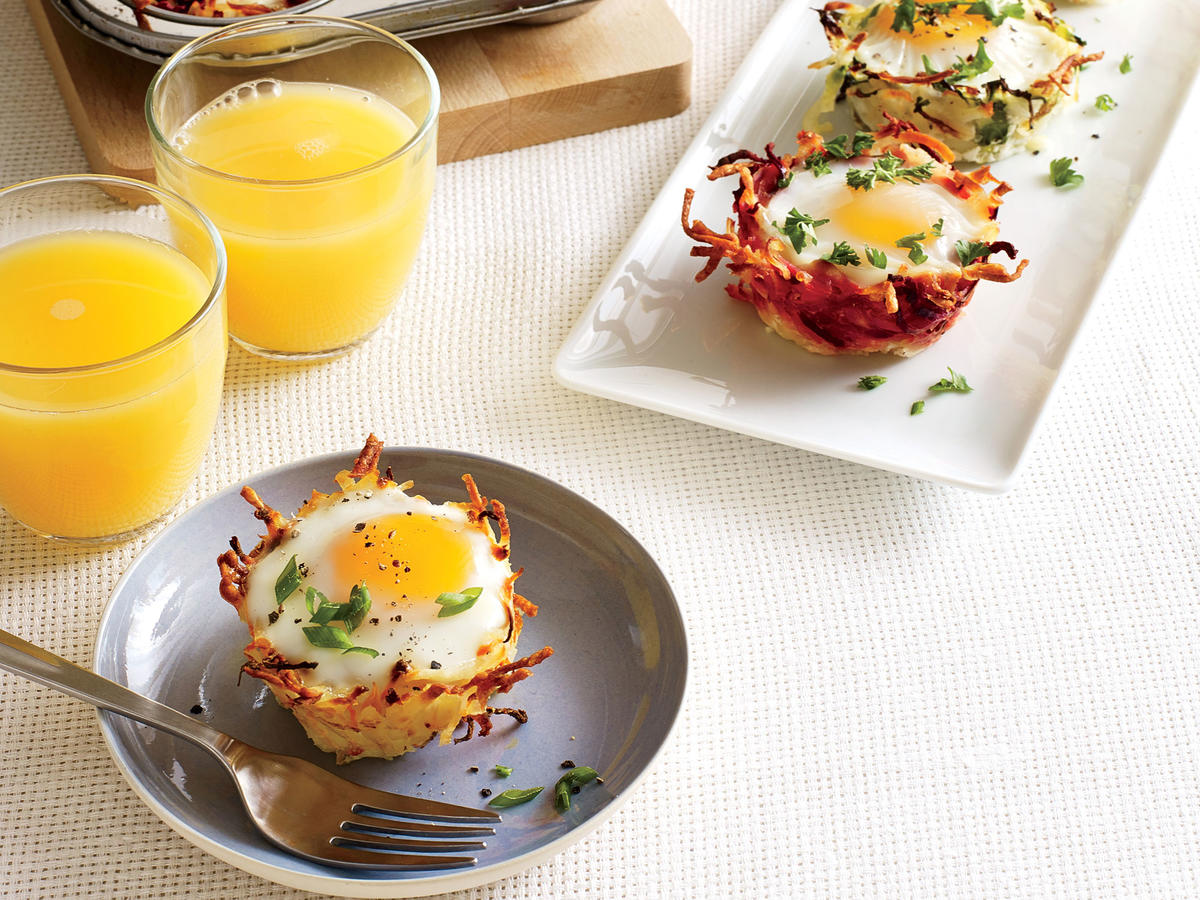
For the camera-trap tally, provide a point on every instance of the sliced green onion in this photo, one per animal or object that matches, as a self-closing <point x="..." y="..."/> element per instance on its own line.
<point x="514" y="797"/>
<point x="287" y="582"/>
<point x="452" y="603"/>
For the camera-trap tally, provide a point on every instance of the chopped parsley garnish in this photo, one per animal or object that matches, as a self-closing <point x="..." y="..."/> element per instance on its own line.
<point x="954" y="384"/>
<point x="936" y="228"/>
<point x="503" y="771"/>
<point x="912" y="243"/>
<point x="976" y="65"/>
<point x="454" y="602"/>
<point x="288" y="581"/>
<point x="514" y="797"/>
<point x="1126" y="65"/>
<point x="859" y="144"/>
<point x="817" y="162"/>
<point x="784" y="180"/>
<point x="870" y="382"/>
<point x="842" y="254"/>
<point x="902" y="16"/>
<point x="877" y="258"/>
<point x="887" y="168"/>
<point x="917" y="408"/>
<point x="995" y="129"/>
<point x="570" y="783"/>
<point x="836" y="148"/>
<point x="1105" y="103"/>
<point x="1062" y="175"/>
<point x="907" y="12"/>
<point x="969" y="251"/>
<point x="800" y="229"/>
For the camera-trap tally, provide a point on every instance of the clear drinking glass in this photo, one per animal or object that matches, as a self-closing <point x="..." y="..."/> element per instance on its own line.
<point x="311" y="143"/>
<point x="112" y="355"/>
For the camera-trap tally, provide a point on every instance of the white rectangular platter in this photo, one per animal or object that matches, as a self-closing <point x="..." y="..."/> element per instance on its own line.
<point x="652" y="337"/>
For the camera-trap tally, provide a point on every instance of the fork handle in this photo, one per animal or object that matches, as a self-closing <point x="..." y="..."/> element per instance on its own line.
<point x="30" y="661"/>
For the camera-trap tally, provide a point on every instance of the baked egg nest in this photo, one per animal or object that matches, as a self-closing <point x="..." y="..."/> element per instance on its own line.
<point x="381" y="620"/>
<point x="210" y="9"/>
<point x="870" y="243"/>
<point x="980" y="75"/>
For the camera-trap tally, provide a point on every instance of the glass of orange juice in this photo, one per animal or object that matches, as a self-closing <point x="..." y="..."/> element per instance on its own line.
<point x="112" y="352"/>
<point x="311" y="144"/>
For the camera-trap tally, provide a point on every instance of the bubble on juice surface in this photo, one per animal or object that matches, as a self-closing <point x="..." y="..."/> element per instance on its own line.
<point x="235" y="96"/>
<point x="68" y="308"/>
<point x="311" y="148"/>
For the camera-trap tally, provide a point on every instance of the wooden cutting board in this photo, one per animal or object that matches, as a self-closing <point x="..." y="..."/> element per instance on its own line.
<point x="507" y="86"/>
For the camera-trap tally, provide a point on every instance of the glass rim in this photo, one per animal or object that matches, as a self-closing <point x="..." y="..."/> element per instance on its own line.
<point x="210" y="302"/>
<point x="276" y="22"/>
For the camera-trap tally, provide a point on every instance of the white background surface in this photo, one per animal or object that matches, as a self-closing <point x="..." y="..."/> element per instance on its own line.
<point x="899" y="689"/>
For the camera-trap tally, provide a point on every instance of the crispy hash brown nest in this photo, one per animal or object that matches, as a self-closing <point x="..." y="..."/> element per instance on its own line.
<point x="817" y="305"/>
<point x="981" y="122"/>
<point x="415" y="705"/>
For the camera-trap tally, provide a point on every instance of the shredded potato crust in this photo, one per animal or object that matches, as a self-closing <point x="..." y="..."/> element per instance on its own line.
<point x="817" y="305"/>
<point x="376" y="720"/>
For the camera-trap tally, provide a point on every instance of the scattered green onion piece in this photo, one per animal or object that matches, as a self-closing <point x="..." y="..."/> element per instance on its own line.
<point x="356" y="610"/>
<point x="514" y="797"/>
<point x="327" y="636"/>
<point x="288" y="581"/>
<point x="1126" y="65"/>
<point x="917" y="408"/>
<point x="577" y="777"/>
<point x="313" y="599"/>
<point x="870" y="382"/>
<point x="1105" y="103"/>
<point x="503" y="771"/>
<point x="452" y="603"/>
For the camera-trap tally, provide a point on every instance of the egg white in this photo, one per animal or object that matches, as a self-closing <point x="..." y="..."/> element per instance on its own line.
<point x="1022" y="51"/>
<point x="420" y="638"/>
<point x="923" y="203"/>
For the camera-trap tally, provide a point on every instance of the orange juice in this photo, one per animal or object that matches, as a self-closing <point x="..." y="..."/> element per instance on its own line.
<point x="321" y="220"/>
<point x="102" y="450"/>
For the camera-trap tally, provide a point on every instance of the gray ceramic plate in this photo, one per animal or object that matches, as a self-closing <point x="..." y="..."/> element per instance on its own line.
<point x="607" y="698"/>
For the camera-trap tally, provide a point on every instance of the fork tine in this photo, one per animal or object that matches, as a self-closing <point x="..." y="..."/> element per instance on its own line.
<point x="355" y="855"/>
<point x="366" y="839"/>
<point x="395" y="827"/>
<point x="370" y="802"/>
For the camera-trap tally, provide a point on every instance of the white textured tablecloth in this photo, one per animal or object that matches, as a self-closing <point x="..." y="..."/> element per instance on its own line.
<point x="898" y="689"/>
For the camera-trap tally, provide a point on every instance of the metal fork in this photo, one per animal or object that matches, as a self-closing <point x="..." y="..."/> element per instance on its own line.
<point x="295" y="804"/>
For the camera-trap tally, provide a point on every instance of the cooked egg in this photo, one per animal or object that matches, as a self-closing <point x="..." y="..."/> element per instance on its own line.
<point x="380" y="619"/>
<point x="876" y="218"/>
<point x="1022" y="51"/>
<point x="407" y="552"/>
<point x="981" y="84"/>
<point x="878" y="253"/>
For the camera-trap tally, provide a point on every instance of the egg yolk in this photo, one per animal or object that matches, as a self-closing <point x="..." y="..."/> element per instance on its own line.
<point x="878" y="217"/>
<point x="955" y="27"/>
<point x="404" y="556"/>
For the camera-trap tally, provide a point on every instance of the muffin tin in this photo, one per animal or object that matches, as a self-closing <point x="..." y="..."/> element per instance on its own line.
<point x="112" y="22"/>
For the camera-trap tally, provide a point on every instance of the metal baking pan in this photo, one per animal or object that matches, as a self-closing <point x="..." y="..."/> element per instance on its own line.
<point x="113" y="23"/>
